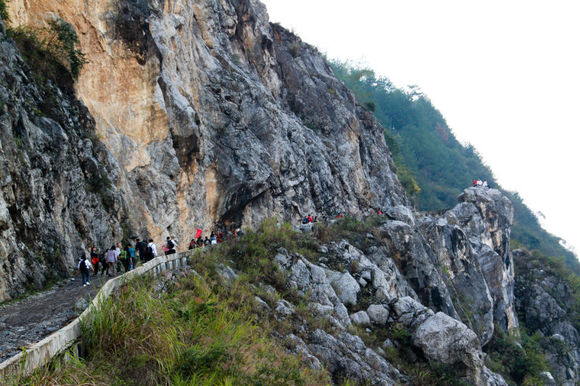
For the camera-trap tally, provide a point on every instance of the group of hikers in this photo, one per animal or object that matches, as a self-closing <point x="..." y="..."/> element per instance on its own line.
<point x="117" y="258"/>
<point x="478" y="182"/>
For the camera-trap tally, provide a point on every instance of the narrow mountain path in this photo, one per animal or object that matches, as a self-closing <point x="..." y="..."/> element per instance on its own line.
<point x="29" y="320"/>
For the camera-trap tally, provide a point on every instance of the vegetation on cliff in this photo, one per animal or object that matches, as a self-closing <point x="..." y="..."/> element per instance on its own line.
<point x="206" y="328"/>
<point x="51" y="52"/>
<point x="194" y="330"/>
<point x="432" y="165"/>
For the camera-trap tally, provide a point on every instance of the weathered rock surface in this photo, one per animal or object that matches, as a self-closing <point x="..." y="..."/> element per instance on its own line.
<point x="203" y="115"/>
<point x="57" y="180"/>
<point x="209" y="115"/>
<point x="546" y="303"/>
<point x="471" y="246"/>
<point x="436" y="337"/>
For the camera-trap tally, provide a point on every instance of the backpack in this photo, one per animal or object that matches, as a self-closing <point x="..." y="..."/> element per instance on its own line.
<point x="149" y="251"/>
<point x="83" y="265"/>
<point x="170" y="244"/>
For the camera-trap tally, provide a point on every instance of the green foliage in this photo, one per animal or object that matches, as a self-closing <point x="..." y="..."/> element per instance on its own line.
<point x="351" y="229"/>
<point x="63" y="39"/>
<point x="101" y="185"/>
<point x="198" y="333"/>
<point x="51" y="51"/>
<point x="518" y="361"/>
<point x="370" y="106"/>
<point x="427" y="154"/>
<point x="552" y="266"/>
<point x="294" y="49"/>
<point x="4" y="11"/>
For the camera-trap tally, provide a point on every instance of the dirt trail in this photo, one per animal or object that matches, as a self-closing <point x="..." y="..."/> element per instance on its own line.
<point x="29" y="320"/>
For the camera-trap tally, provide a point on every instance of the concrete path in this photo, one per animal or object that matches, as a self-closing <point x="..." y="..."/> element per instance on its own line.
<point x="29" y="320"/>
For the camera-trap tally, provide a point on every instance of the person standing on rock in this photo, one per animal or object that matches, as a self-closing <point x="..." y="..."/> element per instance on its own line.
<point x="111" y="259"/>
<point x="85" y="268"/>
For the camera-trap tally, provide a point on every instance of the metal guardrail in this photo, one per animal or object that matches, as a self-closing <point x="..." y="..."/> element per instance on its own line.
<point x="45" y="350"/>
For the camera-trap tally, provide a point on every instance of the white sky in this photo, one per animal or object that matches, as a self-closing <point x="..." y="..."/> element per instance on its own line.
<point x="504" y="74"/>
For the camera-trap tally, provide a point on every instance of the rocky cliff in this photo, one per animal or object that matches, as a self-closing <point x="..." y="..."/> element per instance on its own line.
<point x="396" y="294"/>
<point x="547" y="305"/>
<point x="204" y="115"/>
<point x="211" y="116"/>
<point x="56" y="190"/>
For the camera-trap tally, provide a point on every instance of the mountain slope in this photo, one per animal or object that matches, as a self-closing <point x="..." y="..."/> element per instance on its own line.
<point x="427" y="150"/>
<point x="208" y="117"/>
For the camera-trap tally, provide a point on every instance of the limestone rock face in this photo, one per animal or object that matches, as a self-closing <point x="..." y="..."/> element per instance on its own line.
<point x="211" y="116"/>
<point x="470" y="244"/>
<point x="202" y="114"/>
<point x="437" y="337"/>
<point x="57" y="180"/>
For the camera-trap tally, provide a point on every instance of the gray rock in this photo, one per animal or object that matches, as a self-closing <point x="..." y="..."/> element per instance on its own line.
<point x="446" y="340"/>
<point x="298" y="347"/>
<point x="378" y="314"/>
<point x="261" y="304"/>
<point x="346" y="287"/>
<point x="388" y="344"/>
<point x="547" y="378"/>
<point x="360" y="318"/>
<point x="401" y="213"/>
<point x="284" y="308"/>
<point x="227" y="273"/>
<point x="347" y="356"/>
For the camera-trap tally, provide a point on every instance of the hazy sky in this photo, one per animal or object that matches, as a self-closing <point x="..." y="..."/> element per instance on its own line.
<point x="504" y="74"/>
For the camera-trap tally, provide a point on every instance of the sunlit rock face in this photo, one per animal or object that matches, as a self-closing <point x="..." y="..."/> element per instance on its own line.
<point x="55" y="178"/>
<point x="471" y="247"/>
<point x="459" y="261"/>
<point x="202" y="115"/>
<point x="210" y="115"/>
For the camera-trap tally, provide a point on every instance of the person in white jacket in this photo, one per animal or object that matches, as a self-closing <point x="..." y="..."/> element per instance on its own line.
<point x="153" y="249"/>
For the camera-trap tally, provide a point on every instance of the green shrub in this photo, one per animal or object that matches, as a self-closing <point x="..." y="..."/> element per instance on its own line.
<point x="4" y="11"/>
<point x="198" y="333"/>
<point x="50" y="51"/>
<point x="516" y="361"/>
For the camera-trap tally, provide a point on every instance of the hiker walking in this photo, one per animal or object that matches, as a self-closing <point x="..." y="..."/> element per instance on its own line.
<point x="141" y="246"/>
<point x="103" y="262"/>
<point x="122" y="260"/>
<point x="111" y="259"/>
<point x="84" y="268"/>
<point x="169" y="246"/>
<point x="191" y="244"/>
<point x="130" y="257"/>
<point x="118" y="254"/>
<point x="151" y="251"/>
<point x="95" y="260"/>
